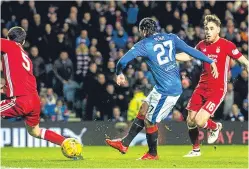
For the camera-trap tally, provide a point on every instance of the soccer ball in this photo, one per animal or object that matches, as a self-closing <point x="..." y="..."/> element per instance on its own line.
<point x="71" y="148"/>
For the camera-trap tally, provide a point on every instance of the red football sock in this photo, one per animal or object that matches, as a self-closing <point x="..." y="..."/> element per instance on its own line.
<point x="210" y="124"/>
<point x="52" y="136"/>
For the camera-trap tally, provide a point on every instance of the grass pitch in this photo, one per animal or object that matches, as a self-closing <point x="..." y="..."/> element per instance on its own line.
<point x="232" y="156"/>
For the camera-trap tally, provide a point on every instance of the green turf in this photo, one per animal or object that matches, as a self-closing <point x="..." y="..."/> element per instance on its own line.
<point x="105" y="157"/>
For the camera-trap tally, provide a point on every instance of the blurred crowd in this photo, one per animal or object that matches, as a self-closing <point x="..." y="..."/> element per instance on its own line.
<point x="74" y="47"/>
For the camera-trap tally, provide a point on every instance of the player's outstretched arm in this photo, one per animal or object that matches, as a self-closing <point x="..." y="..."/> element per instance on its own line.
<point x="181" y="45"/>
<point x="244" y="62"/>
<point x="184" y="57"/>
<point x="137" y="50"/>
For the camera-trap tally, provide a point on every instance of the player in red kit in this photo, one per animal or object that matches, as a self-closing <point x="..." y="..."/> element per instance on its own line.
<point x="20" y="89"/>
<point x="210" y="92"/>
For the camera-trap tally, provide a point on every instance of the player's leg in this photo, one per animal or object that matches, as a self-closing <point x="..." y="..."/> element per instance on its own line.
<point x="203" y="120"/>
<point x="137" y="125"/>
<point x="32" y="121"/>
<point x="45" y="134"/>
<point x="162" y="106"/>
<point x="194" y="105"/>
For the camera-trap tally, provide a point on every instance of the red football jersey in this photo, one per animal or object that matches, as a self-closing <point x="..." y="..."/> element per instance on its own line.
<point x="220" y="51"/>
<point x="18" y="69"/>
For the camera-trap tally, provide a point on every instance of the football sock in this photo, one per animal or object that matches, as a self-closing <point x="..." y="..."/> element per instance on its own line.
<point x="210" y="124"/>
<point x="52" y="136"/>
<point x="193" y="133"/>
<point x="136" y="127"/>
<point x="152" y="136"/>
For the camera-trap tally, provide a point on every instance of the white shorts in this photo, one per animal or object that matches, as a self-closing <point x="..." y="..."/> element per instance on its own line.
<point x="159" y="106"/>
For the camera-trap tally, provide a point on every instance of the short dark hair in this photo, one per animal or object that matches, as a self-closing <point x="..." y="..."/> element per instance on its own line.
<point x="17" y="34"/>
<point x="212" y="18"/>
<point x="148" y="25"/>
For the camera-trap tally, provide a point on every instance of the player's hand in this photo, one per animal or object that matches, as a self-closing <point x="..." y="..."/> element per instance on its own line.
<point x="214" y="72"/>
<point x="121" y="79"/>
<point x="3" y="89"/>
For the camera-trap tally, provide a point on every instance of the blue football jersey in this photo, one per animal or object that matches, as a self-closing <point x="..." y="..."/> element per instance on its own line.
<point x="159" y="52"/>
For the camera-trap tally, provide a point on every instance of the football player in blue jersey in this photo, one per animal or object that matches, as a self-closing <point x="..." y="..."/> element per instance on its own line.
<point x="159" y="52"/>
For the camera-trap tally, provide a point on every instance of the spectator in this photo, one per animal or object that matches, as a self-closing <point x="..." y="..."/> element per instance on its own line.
<point x="101" y="27"/>
<point x="90" y="84"/>
<point x="132" y="13"/>
<point x="244" y="109"/>
<point x="32" y="9"/>
<point x="185" y="96"/>
<point x="72" y="18"/>
<point x="192" y="72"/>
<point x="61" y="45"/>
<point x="113" y="51"/>
<point x="48" y="39"/>
<point x="119" y="17"/>
<point x="86" y="24"/>
<point x="61" y="112"/>
<point x="83" y="38"/>
<point x="135" y="103"/>
<point x="147" y="73"/>
<point x="166" y="11"/>
<point x="244" y="31"/>
<point x="230" y="33"/>
<point x="101" y="90"/>
<point x="110" y="100"/>
<point x="130" y="72"/>
<point x="231" y="98"/>
<point x="146" y="86"/>
<point x="117" y="115"/>
<point x="111" y="13"/>
<point x="145" y="10"/>
<point x="12" y="22"/>
<point x="36" y="31"/>
<point x="241" y="86"/>
<point x="176" y="22"/>
<point x="51" y="97"/>
<point x="44" y="109"/>
<point x="63" y="70"/>
<point x="196" y="13"/>
<point x="69" y="35"/>
<point x="235" y="69"/>
<point x="38" y="67"/>
<point x="4" y="33"/>
<point x="177" y="116"/>
<point x="110" y="72"/>
<point x="82" y="62"/>
<point x="69" y="90"/>
<point x="185" y="23"/>
<point x="120" y="39"/>
<point x="235" y="114"/>
<point x="53" y="21"/>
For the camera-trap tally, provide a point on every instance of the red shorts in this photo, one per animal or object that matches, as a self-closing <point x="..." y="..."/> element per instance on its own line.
<point x="206" y="98"/>
<point x="27" y="107"/>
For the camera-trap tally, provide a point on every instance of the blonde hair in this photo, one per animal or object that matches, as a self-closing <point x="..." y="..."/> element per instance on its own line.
<point x="212" y="18"/>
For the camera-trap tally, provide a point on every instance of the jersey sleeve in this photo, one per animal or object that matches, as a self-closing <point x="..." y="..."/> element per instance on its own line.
<point x="6" y="45"/>
<point x="182" y="46"/>
<point x="137" y="50"/>
<point x="233" y="51"/>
